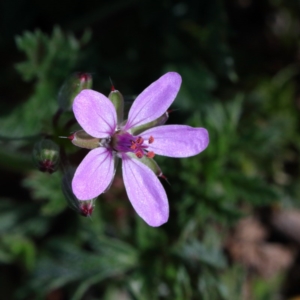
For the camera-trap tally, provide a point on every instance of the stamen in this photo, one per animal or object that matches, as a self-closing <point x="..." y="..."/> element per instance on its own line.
<point x="139" y="140"/>
<point x="150" y="154"/>
<point x="151" y="139"/>
<point x="133" y="145"/>
<point x="139" y="154"/>
<point x="125" y="142"/>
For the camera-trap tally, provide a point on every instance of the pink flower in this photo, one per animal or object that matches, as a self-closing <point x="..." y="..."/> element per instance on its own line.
<point x="97" y="116"/>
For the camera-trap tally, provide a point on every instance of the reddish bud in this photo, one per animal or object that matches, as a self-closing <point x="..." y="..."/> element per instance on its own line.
<point x="46" y="156"/>
<point x="84" y="77"/>
<point x="47" y="166"/>
<point x="86" y="208"/>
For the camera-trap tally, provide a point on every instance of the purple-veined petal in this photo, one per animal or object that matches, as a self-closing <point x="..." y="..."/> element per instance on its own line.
<point x="95" y="113"/>
<point x="154" y="101"/>
<point x="94" y="174"/>
<point x="145" y="192"/>
<point x="176" y="140"/>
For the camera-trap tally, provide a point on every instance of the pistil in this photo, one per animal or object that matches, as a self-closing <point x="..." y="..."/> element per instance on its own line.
<point x="125" y="142"/>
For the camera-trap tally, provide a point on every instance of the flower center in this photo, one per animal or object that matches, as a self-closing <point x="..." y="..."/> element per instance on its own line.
<point x="125" y="142"/>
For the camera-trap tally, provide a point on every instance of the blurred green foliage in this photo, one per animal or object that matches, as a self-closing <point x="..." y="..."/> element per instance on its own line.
<point x="235" y="84"/>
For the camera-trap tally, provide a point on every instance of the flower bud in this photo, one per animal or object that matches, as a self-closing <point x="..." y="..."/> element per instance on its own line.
<point x="46" y="156"/>
<point x="159" y="121"/>
<point x="84" y="208"/>
<point x="72" y="86"/>
<point x="118" y="101"/>
<point x="84" y="140"/>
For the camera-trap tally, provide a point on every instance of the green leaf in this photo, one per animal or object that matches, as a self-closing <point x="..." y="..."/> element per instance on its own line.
<point x="67" y="263"/>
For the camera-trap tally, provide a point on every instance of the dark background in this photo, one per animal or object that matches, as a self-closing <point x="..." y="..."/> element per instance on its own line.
<point x="239" y="61"/>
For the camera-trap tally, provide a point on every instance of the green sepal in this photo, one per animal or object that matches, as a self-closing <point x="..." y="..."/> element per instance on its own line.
<point x="149" y="162"/>
<point x="159" y="121"/>
<point x="118" y="101"/>
<point x="66" y="185"/>
<point x="84" y="140"/>
<point x="72" y="86"/>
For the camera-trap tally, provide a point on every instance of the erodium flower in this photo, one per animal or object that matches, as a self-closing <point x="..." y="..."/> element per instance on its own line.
<point x="135" y="142"/>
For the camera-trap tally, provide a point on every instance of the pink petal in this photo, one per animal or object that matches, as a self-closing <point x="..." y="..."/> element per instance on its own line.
<point x="176" y="140"/>
<point x="154" y="100"/>
<point x="94" y="174"/>
<point x="145" y="192"/>
<point x="95" y="113"/>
